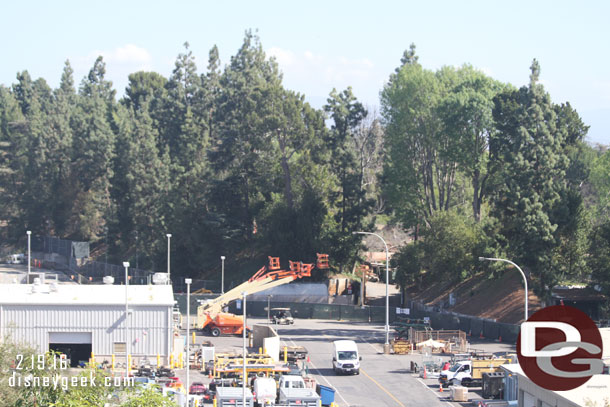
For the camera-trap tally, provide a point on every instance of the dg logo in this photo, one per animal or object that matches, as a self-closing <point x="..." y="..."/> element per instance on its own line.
<point x="560" y="348"/>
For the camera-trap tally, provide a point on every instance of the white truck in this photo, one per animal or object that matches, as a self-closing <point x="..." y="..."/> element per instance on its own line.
<point x="264" y="391"/>
<point x="346" y="358"/>
<point x="470" y="372"/>
<point x="294" y="393"/>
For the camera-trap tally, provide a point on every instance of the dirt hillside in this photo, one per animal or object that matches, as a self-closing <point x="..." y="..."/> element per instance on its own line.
<point x="501" y="299"/>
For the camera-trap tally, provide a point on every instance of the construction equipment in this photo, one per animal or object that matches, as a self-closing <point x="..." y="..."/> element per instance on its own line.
<point x="209" y="315"/>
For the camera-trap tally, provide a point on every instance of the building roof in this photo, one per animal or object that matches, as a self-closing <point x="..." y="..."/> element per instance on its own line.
<point x="577" y="294"/>
<point x="595" y="391"/>
<point x="89" y="294"/>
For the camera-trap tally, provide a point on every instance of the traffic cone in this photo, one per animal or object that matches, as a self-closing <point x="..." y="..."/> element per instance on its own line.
<point x="500" y="338"/>
<point x="481" y="336"/>
<point x="440" y="388"/>
<point x="470" y="333"/>
<point x="425" y="375"/>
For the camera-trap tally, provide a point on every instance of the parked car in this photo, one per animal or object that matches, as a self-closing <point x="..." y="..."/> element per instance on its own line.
<point x="165" y="372"/>
<point x="197" y="388"/>
<point x="144" y="371"/>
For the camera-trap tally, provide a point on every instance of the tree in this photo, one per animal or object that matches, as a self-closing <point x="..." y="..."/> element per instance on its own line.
<point x="420" y="167"/>
<point x="149" y="397"/>
<point x="529" y="154"/>
<point x="467" y="116"/>
<point x="599" y="256"/>
<point x="242" y="143"/>
<point x="93" y="142"/>
<point x="347" y="113"/>
<point x="140" y="186"/>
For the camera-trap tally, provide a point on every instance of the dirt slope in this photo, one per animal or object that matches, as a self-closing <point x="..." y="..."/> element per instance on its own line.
<point x="501" y="299"/>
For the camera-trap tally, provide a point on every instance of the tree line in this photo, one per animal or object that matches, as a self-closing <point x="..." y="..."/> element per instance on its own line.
<point x="228" y="161"/>
<point x="481" y="169"/>
<point x="232" y="163"/>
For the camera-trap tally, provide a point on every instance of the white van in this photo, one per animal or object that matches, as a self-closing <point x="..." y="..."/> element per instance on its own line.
<point x="346" y="358"/>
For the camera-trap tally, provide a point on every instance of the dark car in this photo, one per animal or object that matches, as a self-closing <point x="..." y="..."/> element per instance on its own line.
<point x="165" y="372"/>
<point x="197" y="388"/>
<point x="145" y="372"/>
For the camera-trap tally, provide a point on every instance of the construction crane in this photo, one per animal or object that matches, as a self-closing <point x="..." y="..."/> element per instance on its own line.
<point x="210" y="316"/>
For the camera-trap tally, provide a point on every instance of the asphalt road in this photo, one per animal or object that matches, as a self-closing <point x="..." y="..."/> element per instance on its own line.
<point x="384" y="380"/>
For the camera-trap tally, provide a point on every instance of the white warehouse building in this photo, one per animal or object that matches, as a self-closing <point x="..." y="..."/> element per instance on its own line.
<point x="82" y="319"/>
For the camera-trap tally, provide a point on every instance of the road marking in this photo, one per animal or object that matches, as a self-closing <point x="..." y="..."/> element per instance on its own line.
<point x="382" y="388"/>
<point x="435" y="393"/>
<point x="321" y="375"/>
<point x="370" y="344"/>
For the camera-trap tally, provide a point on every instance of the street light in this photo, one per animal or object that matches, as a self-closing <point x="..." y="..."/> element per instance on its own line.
<point x="269" y="308"/>
<point x="29" y="233"/>
<point x="127" y="344"/>
<point x="522" y="275"/>
<point x="222" y="281"/>
<point x="169" y="280"/>
<point x="188" y="282"/>
<point x="244" y="294"/>
<point x="386" y="348"/>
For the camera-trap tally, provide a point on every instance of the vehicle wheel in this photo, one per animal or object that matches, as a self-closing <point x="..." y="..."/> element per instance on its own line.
<point x="466" y="382"/>
<point x="358" y="371"/>
<point x="216" y="332"/>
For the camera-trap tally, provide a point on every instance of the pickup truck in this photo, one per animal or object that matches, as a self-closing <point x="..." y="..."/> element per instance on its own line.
<point x="293" y="392"/>
<point x="469" y="372"/>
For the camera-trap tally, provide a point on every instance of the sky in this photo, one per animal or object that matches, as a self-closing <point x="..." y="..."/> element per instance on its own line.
<point x="321" y="45"/>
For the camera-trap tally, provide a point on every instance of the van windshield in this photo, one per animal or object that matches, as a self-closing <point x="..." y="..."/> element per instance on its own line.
<point x="455" y="367"/>
<point x="347" y="355"/>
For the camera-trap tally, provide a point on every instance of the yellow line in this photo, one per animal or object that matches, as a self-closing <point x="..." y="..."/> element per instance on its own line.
<point x="382" y="388"/>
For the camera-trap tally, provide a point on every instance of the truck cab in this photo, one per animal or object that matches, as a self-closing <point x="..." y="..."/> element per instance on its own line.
<point x="346" y="358"/>
<point x="456" y="373"/>
<point x="470" y="372"/>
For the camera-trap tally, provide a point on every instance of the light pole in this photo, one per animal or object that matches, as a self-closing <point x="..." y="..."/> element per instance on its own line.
<point x="244" y="294"/>
<point x="386" y="347"/>
<point x="188" y="282"/>
<point x="127" y="344"/>
<point x="106" y="251"/>
<point x="29" y="233"/>
<point x="169" y="280"/>
<point x="222" y="278"/>
<point x="522" y="275"/>
<point x="269" y="308"/>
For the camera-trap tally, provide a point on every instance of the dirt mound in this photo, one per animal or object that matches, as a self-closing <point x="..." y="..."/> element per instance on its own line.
<point x="501" y="298"/>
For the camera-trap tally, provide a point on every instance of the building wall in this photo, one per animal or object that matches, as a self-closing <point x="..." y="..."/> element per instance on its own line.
<point x="531" y="395"/>
<point x="149" y="326"/>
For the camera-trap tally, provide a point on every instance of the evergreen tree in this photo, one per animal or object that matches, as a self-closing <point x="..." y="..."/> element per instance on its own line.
<point x="346" y="113"/>
<point x="530" y="155"/>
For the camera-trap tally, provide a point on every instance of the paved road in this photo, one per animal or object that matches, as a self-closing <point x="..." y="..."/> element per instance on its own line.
<point x="385" y="380"/>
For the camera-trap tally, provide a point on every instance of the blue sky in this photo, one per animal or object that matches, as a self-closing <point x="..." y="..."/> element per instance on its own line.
<point x="324" y="44"/>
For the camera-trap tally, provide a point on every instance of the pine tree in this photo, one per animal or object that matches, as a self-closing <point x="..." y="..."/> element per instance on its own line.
<point x="529" y="150"/>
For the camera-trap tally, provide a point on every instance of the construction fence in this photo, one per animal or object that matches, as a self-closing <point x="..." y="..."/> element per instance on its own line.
<point x="469" y="325"/>
<point x="473" y="326"/>
<point x="299" y="310"/>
